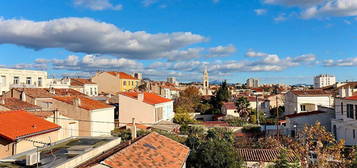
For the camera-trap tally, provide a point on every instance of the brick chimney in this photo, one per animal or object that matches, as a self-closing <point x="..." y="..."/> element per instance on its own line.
<point x="141" y="96"/>
<point x="52" y="90"/>
<point x="133" y="130"/>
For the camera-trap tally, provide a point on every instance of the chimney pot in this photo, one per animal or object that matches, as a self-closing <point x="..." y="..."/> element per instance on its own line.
<point x="141" y="96"/>
<point x="77" y="101"/>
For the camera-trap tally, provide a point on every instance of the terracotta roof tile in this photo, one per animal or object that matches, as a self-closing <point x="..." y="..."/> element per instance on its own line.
<point x="150" y="98"/>
<point x="21" y="124"/>
<point x="85" y="103"/>
<point x="122" y="75"/>
<point x="261" y="155"/>
<point x="45" y="92"/>
<point x="153" y="150"/>
<point x="229" y="105"/>
<point x="16" y="104"/>
<point x="80" y="81"/>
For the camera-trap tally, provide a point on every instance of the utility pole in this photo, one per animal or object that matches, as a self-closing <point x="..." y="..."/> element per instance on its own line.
<point x="257" y="111"/>
<point x="277" y="116"/>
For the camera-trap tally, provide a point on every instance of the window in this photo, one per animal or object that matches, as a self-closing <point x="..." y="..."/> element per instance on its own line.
<point x="356" y="112"/>
<point x="95" y="91"/>
<point x="132" y="83"/>
<point x="28" y="80"/>
<point x="341" y="108"/>
<point x="137" y="83"/>
<point x="91" y="91"/>
<point x="124" y="83"/>
<point x="350" y="111"/>
<point x="3" y="81"/>
<point x="39" y="82"/>
<point x="16" y="80"/>
<point x="303" y="107"/>
<point x="335" y="130"/>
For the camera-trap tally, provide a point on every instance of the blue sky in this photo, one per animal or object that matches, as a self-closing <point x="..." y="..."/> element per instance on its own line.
<point x="277" y="41"/>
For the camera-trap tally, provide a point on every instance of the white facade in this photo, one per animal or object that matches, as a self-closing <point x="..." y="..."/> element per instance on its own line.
<point x="172" y="80"/>
<point x="345" y="124"/>
<point x="87" y="89"/>
<point x="252" y="83"/>
<point x="324" y="80"/>
<point x="10" y="78"/>
<point x="64" y="83"/>
<point x="168" y="110"/>
<point x="297" y="104"/>
<point x="104" y="121"/>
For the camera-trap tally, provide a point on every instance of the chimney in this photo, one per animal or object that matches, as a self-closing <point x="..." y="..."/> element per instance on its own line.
<point x="52" y="90"/>
<point x="77" y="102"/>
<point x="133" y="130"/>
<point x="23" y="96"/>
<point x="2" y="99"/>
<point x="342" y="92"/>
<point x="348" y="92"/>
<point x="141" y="96"/>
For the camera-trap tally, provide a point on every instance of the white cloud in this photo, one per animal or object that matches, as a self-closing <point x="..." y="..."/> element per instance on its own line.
<point x="260" y="11"/>
<point x="148" y="3"/>
<point x="221" y="51"/>
<point x="93" y="37"/>
<point x="98" y="5"/>
<point x="252" y="53"/>
<point x="341" y="62"/>
<point x="281" y="17"/>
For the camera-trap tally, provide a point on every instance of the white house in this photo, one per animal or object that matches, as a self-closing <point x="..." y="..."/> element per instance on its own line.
<point x="298" y="101"/>
<point x="84" y="86"/>
<point x="12" y="78"/>
<point x="296" y="122"/>
<point x="345" y="124"/>
<point x="324" y="80"/>
<point x="229" y="109"/>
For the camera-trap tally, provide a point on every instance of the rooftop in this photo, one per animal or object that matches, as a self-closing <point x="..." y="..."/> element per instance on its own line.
<point x="85" y="103"/>
<point x="230" y="105"/>
<point x="153" y="150"/>
<point x="72" y="151"/>
<point x="261" y="155"/>
<point x="16" y="125"/>
<point x="304" y="114"/>
<point x="149" y="98"/>
<point x="16" y="104"/>
<point x="80" y="81"/>
<point x="46" y="93"/>
<point x="122" y="75"/>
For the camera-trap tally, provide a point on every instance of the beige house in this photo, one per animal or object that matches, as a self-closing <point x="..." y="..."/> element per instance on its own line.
<point x="229" y="109"/>
<point x="144" y="107"/>
<point x="18" y="130"/>
<point x="115" y="82"/>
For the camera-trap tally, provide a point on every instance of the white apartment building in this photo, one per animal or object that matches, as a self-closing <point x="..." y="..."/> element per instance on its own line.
<point x="298" y="101"/>
<point x="324" y="80"/>
<point x="12" y="78"/>
<point x="252" y="83"/>
<point x="84" y="86"/>
<point x="345" y="124"/>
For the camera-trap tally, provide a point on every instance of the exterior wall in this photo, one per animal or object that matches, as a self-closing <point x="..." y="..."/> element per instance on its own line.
<point x="301" y="121"/>
<point x="17" y="94"/>
<point x="107" y="83"/>
<point x="69" y="127"/>
<point x="6" y="148"/>
<point x="324" y="80"/>
<point x="343" y="127"/>
<point x="23" y="145"/>
<point x="128" y="84"/>
<point x="2" y="108"/>
<point x="293" y="103"/>
<point x="7" y="78"/>
<point x="105" y="124"/>
<point x="131" y="108"/>
<point x="168" y="108"/>
<point x="87" y="89"/>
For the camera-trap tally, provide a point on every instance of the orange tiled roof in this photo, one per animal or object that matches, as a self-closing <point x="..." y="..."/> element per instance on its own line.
<point x="230" y="105"/>
<point x="122" y="75"/>
<point x="80" y="81"/>
<point x="150" y="98"/>
<point x="21" y="124"/>
<point x="86" y="103"/>
<point x="153" y="150"/>
<point x="16" y="104"/>
<point x="351" y="98"/>
<point x="261" y="155"/>
<point x="45" y="93"/>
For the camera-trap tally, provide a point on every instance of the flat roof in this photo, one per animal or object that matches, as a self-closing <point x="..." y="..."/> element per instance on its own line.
<point x="64" y="151"/>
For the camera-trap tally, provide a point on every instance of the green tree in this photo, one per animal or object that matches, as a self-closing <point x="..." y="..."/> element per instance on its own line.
<point x="214" y="149"/>
<point x="242" y="104"/>
<point x="222" y="95"/>
<point x="183" y="116"/>
<point x="283" y="161"/>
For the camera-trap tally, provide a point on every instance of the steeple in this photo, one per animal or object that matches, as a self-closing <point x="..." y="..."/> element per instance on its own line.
<point x="205" y="79"/>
